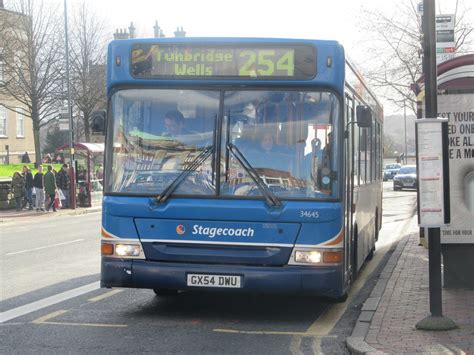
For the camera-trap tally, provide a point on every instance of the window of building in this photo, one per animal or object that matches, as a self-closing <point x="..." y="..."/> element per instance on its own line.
<point x="20" y="125"/>
<point x="3" y="121"/>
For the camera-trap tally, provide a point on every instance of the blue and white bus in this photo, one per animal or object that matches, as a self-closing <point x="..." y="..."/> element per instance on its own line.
<point x="238" y="164"/>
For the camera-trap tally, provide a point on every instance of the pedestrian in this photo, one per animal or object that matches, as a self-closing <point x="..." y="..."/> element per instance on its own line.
<point x="100" y="172"/>
<point x="18" y="189"/>
<point x="50" y="187"/>
<point x="39" y="189"/>
<point x="47" y="159"/>
<point x="63" y="181"/>
<point x="25" y="159"/>
<point x="28" y="188"/>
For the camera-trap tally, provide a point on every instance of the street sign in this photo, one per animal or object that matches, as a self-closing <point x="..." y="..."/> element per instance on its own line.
<point x="63" y="124"/>
<point x="445" y="44"/>
<point x="420" y="8"/>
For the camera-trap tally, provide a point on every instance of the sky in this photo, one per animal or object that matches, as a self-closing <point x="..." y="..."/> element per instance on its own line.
<point x="244" y="18"/>
<point x="334" y="19"/>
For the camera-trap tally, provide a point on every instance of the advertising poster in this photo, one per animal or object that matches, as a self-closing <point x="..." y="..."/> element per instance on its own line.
<point x="459" y="110"/>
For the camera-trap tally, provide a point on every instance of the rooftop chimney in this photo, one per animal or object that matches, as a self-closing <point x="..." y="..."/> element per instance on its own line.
<point x="180" y="32"/>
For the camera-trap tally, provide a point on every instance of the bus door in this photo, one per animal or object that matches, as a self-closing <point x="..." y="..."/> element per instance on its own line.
<point x="349" y="167"/>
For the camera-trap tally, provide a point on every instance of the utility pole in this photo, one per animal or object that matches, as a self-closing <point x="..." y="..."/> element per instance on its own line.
<point x="436" y="321"/>
<point x="405" y="119"/>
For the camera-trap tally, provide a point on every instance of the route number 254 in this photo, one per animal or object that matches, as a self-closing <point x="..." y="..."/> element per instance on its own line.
<point x="267" y="63"/>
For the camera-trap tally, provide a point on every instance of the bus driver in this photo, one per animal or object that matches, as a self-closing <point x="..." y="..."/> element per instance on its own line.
<point x="174" y="124"/>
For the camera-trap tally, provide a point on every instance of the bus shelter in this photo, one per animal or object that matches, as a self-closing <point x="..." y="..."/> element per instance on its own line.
<point x="455" y="80"/>
<point x="89" y="158"/>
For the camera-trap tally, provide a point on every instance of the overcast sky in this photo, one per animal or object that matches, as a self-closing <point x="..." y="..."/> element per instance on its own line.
<point x="243" y="18"/>
<point x="333" y="19"/>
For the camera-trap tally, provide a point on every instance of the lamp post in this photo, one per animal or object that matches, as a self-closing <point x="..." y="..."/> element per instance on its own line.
<point x="405" y="119"/>
<point x="436" y="321"/>
<point x="72" y="194"/>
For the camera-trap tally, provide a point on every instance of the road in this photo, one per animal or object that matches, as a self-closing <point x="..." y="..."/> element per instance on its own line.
<point x="45" y="250"/>
<point x="51" y="299"/>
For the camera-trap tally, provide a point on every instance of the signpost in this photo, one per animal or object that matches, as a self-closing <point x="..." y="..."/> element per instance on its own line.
<point x="433" y="203"/>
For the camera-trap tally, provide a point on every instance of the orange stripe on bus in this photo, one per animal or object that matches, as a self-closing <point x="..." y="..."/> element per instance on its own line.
<point x="106" y="234"/>
<point x="338" y="239"/>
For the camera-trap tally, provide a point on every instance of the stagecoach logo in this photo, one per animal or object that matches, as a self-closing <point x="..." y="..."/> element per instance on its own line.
<point x="212" y="232"/>
<point x="180" y="229"/>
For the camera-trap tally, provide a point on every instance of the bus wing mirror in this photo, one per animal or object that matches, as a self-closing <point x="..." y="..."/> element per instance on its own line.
<point x="364" y="116"/>
<point x="98" y="122"/>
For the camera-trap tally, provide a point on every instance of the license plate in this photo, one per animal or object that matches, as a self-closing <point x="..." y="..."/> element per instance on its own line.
<point x="206" y="280"/>
<point x="408" y="184"/>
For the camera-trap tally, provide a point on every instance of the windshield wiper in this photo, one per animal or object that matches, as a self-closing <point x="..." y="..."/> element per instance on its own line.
<point x="270" y="197"/>
<point x="195" y="163"/>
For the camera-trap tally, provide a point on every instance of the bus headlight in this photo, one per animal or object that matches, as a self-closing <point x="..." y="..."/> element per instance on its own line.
<point x="122" y="249"/>
<point x="308" y="256"/>
<point x="321" y="257"/>
<point x="127" y="249"/>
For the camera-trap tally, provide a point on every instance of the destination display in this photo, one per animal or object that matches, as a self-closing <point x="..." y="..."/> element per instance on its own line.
<point x="199" y="61"/>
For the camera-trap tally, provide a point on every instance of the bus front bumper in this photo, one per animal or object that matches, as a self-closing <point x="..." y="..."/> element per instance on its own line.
<point x="323" y="281"/>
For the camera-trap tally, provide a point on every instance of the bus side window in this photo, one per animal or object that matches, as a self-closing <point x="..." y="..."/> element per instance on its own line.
<point x="356" y="154"/>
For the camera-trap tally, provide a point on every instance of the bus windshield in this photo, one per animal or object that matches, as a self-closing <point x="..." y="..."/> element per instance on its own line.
<point x="283" y="139"/>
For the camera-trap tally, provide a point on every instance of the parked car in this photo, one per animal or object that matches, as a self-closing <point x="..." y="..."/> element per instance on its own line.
<point x="390" y="171"/>
<point x="406" y="178"/>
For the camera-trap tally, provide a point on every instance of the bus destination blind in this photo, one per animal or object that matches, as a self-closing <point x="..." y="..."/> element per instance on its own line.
<point x="188" y="61"/>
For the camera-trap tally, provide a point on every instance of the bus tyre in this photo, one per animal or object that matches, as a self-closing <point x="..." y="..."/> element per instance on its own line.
<point x="370" y="256"/>
<point x="165" y="292"/>
<point x="341" y="299"/>
<point x="354" y="256"/>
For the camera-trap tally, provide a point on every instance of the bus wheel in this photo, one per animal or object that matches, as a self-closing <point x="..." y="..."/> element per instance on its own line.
<point x="341" y="299"/>
<point x="354" y="255"/>
<point x="376" y="225"/>
<point x="165" y="292"/>
<point x="370" y="256"/>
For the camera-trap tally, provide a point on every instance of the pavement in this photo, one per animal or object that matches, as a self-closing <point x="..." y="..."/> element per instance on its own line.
<point x="11" y="215"/>
<point x="400" y="299"/>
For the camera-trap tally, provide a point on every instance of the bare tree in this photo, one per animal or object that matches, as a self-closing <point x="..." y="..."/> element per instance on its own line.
<point x="87" y="64"/>
<point x="394" y="43"/>
<point x="32" y="65"/>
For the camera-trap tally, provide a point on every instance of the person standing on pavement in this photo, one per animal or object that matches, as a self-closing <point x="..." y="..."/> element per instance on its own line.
<point x="18" y="189"/>
<point x="28" y="188"/>
<point x="50" y="187"/>
<point x="63" y="181"/>
<point x="39" y="188"/>
<point x="25" y="159"/>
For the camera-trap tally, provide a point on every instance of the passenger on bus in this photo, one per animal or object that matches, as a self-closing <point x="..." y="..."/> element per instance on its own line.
<point x="324" y="171"/>
<point x="268" y="154"/>
<point x="326" y="157"/>
<point x="267" y="143"/>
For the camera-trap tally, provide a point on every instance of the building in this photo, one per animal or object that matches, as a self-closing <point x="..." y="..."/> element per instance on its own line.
<point x="157" y="32"/>
<point x="16" y="129"/>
